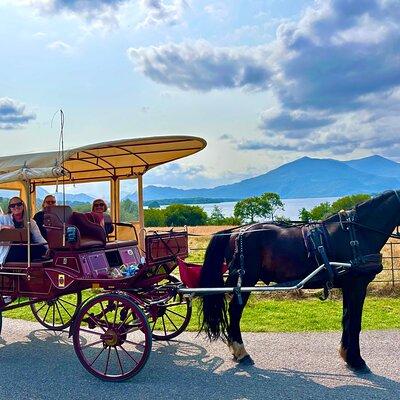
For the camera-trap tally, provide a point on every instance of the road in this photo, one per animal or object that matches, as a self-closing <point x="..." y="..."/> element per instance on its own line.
<point x="39" y="364"/>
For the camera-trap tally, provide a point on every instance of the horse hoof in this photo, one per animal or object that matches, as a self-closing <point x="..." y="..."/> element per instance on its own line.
<point x="360" y="370"/>
<point x="247" y="360"/>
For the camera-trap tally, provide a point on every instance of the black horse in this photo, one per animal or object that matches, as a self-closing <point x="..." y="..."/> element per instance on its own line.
<point x="276" y="253"/>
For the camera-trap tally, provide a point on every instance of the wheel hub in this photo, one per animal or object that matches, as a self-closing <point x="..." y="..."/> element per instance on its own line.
<point x="110" y="337"/>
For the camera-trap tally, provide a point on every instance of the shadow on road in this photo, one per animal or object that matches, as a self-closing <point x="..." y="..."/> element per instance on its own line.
<point x="45" y="367"/>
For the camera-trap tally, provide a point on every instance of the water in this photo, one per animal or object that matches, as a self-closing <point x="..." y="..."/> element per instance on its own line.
<point x="292" y="207"/>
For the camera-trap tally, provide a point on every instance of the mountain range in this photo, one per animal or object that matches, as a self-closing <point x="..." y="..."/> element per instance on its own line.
<point x="303" y="178"/>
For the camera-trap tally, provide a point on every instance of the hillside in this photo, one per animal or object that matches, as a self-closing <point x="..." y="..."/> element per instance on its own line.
<point x="305" y="177"/>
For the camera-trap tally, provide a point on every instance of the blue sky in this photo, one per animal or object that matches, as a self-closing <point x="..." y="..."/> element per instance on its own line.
<point x="263" y="81"/>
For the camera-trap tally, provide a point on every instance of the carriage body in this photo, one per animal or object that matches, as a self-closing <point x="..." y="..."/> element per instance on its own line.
<point x="126" y="311"/>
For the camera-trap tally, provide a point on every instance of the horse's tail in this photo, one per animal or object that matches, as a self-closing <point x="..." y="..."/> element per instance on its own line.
<point x="215" y="320"/>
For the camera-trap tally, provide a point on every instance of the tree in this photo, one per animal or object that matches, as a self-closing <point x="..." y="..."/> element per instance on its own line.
<point x="348" y="202"/>
<point x="216" y="216"/>
<point x="305" y="215"/>
<point x="180" y="215"/>
<point x="269" y="203"/>
<point x="246" y="209"/>
<point x="154" y="217"/>
<point x="128" y="211"/>
<point x="264" y="206"/>
<point x="321" y="211"/>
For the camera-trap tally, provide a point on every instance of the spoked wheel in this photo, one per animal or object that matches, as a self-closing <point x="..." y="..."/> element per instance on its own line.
<point x="57" y="314"/>
<point x="112" y="337"/>
<point x="171" y="317"/>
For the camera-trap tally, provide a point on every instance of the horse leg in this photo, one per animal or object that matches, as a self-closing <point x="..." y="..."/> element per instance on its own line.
<point x="235" y="342"/>
<point x="354" y="292"/>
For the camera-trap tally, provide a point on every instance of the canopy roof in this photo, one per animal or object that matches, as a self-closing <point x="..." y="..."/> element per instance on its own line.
<point x="116" y="159"/>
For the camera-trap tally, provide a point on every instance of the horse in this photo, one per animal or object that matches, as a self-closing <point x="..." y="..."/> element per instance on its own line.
<point x="280" y="253"/>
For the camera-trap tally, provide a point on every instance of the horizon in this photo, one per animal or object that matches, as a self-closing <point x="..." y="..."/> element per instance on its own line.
<point x="265" y="83"/>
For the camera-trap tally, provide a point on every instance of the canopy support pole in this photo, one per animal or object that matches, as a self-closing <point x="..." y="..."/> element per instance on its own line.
<point x="141" y="211"/>
<point x="115" y="202"/>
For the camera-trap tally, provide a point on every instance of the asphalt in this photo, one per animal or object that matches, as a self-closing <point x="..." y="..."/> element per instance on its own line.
<point x="39" y="364"/>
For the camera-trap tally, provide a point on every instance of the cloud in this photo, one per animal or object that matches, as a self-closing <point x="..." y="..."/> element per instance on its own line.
<point x="13" y="114"/>
<point x="339" y="51"/>
<point x="87" y="7"/>
<point x="199" y="66"/>
<point x="60" y="46"/>
<point x="159" y="12"/>
<point x="292" y="123"/>
<point x="98" y="13"/>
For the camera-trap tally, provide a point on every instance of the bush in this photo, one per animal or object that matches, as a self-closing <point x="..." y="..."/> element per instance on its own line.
<point x="154" y="217"/>
<point x="180" y="215"/>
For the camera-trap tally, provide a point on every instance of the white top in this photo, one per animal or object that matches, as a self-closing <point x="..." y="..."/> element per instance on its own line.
<point x="6" y="219"/>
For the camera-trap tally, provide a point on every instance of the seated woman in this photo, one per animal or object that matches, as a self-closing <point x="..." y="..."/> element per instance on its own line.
<point x="16" y="217"/>
<point x="99" y="216"/>
<point x="49" y="200"/>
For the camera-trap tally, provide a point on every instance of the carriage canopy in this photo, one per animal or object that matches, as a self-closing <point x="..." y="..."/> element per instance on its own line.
<point x="102" y="161"/>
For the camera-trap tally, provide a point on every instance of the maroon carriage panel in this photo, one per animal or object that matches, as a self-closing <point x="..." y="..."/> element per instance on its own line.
<point x="168" y="246"/>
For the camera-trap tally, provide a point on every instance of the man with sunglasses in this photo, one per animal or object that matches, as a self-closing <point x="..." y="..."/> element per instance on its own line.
<point x="49" y="200"/>
<point x="16" y="217"/>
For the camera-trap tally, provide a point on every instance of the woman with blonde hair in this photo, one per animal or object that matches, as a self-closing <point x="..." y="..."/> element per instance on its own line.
<point x="99" y="215"/>
<point x="16" y="217"/>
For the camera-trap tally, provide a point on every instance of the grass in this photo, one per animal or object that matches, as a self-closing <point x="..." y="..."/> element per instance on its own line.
<point x="278" y="314"/>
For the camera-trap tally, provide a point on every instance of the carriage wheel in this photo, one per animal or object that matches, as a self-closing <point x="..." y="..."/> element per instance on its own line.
<point x="112" y="337"/>
<point x="57" y="314"/>
<point x="173" y="316"/>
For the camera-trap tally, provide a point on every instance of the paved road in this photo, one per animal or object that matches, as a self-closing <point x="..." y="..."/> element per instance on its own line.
<point x="39" y="364"/>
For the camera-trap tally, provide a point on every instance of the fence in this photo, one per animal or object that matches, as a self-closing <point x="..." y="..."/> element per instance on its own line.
<point x="391" y="264"/>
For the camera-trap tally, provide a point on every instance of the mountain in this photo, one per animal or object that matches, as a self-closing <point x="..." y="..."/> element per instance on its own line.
<point x="41" y="193"/>
<point x="376" y="165"/>
<point x="305" y="177"/>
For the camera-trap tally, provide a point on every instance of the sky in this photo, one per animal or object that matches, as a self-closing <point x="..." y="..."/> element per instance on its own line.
<point x="263" y="81"/>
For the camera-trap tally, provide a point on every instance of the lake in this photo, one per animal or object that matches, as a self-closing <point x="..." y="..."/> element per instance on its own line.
<point x="292" y="206"/>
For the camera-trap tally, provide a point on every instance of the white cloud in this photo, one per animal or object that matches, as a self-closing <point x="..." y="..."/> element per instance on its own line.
<point x="13" y="114"/>
<point x="162" y="12"/>
<point x="60" y="46"/>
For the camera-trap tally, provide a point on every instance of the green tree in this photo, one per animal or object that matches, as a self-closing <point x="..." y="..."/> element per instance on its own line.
<point x="216" y="216"/>
<point x="154" y="217"/>
<point x="321" y="211"/>
<point x="268" y="204"/>
<point x="348" y="202"/>
<point x="128" y="211"/>
<point x="180" y="215"/>
<point x="246" y="209"/>
<point x="305" y="215"/>
<point x="153" y="204"/>
<point x="264" y="207"/>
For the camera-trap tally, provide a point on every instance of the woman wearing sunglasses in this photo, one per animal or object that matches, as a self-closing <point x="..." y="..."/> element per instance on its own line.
<point x="49" y="200"/>
<point x="16" y="217"/>
<point x="99" y="216"/>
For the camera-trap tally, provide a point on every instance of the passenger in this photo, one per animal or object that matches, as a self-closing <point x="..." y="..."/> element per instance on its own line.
<point x="16" y="217"/>
<point x="49" y="200"/>
<point x="99" y="216"/>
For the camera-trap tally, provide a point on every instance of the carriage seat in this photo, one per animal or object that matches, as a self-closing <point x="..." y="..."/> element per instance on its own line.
<point x="89" y="235"/>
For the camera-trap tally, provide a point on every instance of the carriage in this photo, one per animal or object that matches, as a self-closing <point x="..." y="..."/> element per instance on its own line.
<point x="114" y="294"/>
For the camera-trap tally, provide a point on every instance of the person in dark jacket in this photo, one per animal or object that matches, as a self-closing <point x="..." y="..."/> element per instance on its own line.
<point x="49" y="200"/>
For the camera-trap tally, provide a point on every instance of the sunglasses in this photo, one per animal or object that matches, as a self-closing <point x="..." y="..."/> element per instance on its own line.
<point x="50" y="202"/>
<point x="98" y="205"/>
<point x="19" y="204"/>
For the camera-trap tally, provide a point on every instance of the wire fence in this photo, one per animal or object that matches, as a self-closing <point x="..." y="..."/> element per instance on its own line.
<point x="391" y="265"/>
